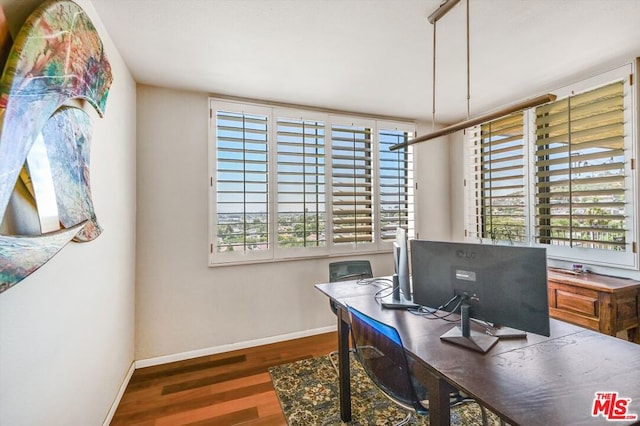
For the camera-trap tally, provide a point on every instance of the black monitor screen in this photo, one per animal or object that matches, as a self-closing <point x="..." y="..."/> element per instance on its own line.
<point x="505" y="285"/>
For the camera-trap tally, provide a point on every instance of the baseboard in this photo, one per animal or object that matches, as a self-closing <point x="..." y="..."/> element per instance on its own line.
<point x="230" y="347"/>
<point x="116" y="401"/>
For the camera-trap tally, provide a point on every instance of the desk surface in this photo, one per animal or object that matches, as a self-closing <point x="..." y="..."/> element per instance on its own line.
<point x="537" y="380"/>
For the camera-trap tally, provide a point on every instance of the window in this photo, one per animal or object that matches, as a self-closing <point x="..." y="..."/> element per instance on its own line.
<point x="352" y="184"/>
<point x="498" y="179"/>
<point x="396" y="184"/>
<point x="291" y="183"/>
<point x="559" y="175"/>
<point x="301" y="189"/>
<point x="580" y="170"/>
<point x="242" y="181"/>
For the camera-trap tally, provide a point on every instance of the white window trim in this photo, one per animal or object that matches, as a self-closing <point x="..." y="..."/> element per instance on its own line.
<point x="235" y="256"/>
<point x="614" y="259"/>
<point x="611" y="259"/>
<point x="273" y="253"/>
<point x="296" y="252"/>
<point x="410" y="129"/>
<point x="337" y="120"/>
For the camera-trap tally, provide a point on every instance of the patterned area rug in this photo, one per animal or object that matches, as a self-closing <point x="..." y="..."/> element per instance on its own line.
<point x="308" y="393"/>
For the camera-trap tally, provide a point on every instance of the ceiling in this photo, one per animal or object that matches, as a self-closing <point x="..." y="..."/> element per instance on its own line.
<point x="372" y="56"/>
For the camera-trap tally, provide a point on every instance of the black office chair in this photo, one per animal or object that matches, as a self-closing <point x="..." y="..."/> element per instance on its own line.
<point x="348" y="270"/>
<point x="345" y="271"/>
<point x="378" y="347"/>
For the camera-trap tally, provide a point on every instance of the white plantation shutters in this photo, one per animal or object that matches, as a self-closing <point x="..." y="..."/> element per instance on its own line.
<point x="496" y="180"/>
<point x="301" y="183"/>
<point x="560" y="175"/>
<point x="288" y="183"/>
<point x="242" y="180"/>
<point x="395" y="183"/>
<point x="352" y="184"/>
<point x="581" y="199"/>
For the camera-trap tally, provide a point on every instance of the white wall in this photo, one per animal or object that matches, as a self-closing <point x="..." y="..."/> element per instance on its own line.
<point x="433" y="196"/>
<point x="182" y="304"/>
<point x="67" y="331"/>
<point x="456" y="180"/>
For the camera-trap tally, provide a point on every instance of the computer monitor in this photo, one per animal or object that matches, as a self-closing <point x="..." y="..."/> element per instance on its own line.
<point x="503" y="285"/>
<point x="401" y="296"/>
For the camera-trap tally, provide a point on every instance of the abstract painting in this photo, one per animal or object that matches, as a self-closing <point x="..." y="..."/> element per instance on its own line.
<point x="56" y="70"/>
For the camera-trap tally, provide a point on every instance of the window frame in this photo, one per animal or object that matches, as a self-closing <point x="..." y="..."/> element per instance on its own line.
<point x="411" y="132"/>
<point x="273" y="113"/>
<point x="475" y="177"/>
<point x="237" y="256"/>
<point x="627" y="259"/>
<point x="296" y="252"/>
<point x="347" y="122"/>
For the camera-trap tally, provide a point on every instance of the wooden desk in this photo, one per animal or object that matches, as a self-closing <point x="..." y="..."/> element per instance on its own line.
<point x="598" y="302"/>
<point x="539" y="380"/>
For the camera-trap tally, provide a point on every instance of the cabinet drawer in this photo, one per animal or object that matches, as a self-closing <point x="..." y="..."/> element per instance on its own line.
<point x="580" y="303"/>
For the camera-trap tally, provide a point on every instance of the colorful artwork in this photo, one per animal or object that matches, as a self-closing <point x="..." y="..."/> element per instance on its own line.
<point x="55" y="66"/>
<point x="5" y="38"/>
<point x="67" y="136"/>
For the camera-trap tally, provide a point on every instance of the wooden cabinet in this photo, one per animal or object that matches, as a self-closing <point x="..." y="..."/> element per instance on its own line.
<point x="599" y="302"/>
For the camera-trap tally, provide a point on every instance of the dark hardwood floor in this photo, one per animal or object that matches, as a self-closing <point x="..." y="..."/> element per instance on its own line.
<point x="232" y="388"/>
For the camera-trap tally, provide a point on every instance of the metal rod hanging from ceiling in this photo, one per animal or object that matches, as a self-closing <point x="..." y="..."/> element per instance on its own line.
<point x="433" y="82"/>
<point x="530" y="103"/>
<point x="442" y="10"/>
<point x="468" y="64"/>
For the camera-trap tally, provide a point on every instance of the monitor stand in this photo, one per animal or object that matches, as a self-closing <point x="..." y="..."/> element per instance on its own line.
<point x="464" y="336"/>
<point x="506" y="332"/>
<point x="501" y="332"/>
<point x="397" y="300"/>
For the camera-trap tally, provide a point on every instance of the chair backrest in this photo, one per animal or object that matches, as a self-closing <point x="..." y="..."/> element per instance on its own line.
<point x="350" y="270"/>
<point x="379" y="349"/>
